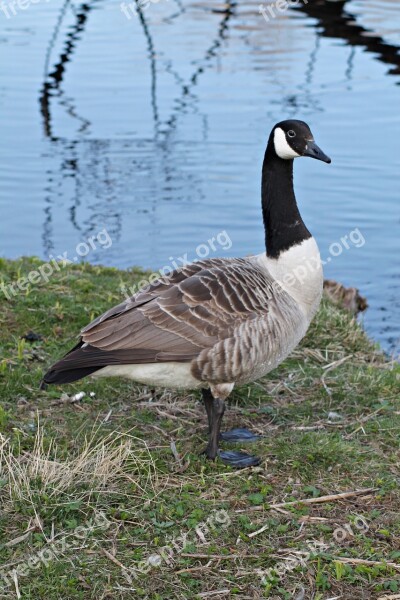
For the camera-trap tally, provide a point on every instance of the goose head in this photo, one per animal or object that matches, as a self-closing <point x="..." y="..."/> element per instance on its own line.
<point x="293" y="139"/>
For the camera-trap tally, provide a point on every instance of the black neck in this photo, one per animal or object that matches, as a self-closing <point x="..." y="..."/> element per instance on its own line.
<point x="283" y="224"/>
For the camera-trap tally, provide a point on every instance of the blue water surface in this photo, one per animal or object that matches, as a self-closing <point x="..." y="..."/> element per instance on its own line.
<point x="154" y="127"/>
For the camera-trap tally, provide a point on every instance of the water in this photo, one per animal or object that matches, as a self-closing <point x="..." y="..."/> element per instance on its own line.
<point x="154" y="128"/>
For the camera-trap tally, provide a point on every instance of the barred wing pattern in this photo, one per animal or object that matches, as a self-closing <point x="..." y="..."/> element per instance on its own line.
<point x="226" y="318"/>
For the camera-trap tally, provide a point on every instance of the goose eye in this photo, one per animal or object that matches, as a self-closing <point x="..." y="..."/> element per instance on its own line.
<point x="291" y="133"/>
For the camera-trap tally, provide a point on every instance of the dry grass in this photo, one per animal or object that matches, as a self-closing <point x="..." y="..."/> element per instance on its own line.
<point x="100" y="465"/>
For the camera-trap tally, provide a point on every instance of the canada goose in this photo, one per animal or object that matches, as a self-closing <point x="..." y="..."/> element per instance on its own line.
<point x="217" y="322"/>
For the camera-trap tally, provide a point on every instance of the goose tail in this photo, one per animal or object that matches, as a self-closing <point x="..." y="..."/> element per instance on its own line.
<point x="68" y="369"/>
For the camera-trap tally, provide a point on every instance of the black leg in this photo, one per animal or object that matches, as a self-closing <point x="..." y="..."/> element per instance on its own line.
<point x="234" y="435"/>
<point x="215" y="408"/>
<point x="208" y="403"/>
<point x="217" y="412"/>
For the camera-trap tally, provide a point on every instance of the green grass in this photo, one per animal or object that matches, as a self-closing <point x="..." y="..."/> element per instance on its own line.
<point x="64" y="463"/>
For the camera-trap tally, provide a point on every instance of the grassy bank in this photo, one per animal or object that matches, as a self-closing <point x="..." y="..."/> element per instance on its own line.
<point x="90" y="487"/>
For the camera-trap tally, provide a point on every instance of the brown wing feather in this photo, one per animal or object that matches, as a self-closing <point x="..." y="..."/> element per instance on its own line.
<point x="199" y="306"/>
<point x="217" y="314"/>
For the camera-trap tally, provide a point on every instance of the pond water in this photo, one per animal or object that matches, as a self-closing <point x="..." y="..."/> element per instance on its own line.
<point x="152" y="124"/>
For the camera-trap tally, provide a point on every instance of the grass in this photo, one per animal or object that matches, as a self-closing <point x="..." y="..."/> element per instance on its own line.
<point x="90" y="487"/>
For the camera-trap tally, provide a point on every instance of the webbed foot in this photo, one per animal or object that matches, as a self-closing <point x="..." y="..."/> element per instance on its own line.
<point x="238" y="460"/>
<point x="239" y="435"/>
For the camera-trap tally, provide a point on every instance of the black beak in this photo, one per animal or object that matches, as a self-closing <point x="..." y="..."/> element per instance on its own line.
<point x="315" y="152"/>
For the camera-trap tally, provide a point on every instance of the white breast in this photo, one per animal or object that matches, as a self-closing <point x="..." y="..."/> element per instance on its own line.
<point x="299" y="272"/>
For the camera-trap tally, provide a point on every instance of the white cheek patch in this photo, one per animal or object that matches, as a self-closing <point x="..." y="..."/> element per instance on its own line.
<point x="282" y="148"/>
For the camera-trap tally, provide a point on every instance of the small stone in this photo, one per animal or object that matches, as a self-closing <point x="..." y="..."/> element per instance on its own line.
<point x="154" y="560"/>
<point x="334" y="416"/>
<point x="77" y="397"/>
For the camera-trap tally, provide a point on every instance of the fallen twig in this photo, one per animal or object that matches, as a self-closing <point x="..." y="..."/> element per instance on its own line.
<point x="309" y="519"/>
<point x="330" y="367"/>
<point x="167" y="415"/>
<point x="191" y="569"/>
<point x="220" y="556"/>
<point x="175" y="453"/>
<point x="329" y="498"/>
<point x="368" y="563"/>
<point x="215" y="593"/>
<point x="20" y="538"/>
<point x="124" y="569"/>
<point x="182" y="465"/>
<point x="15" y="580"/>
